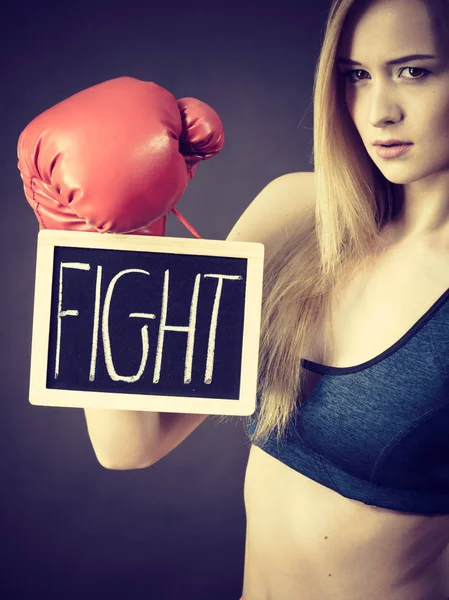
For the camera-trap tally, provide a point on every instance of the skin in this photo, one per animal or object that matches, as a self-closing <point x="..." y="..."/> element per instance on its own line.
<point x="402" y="102"/>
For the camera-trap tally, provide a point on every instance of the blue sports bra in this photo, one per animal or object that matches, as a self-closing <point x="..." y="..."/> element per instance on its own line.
<point x="379" y="432"/>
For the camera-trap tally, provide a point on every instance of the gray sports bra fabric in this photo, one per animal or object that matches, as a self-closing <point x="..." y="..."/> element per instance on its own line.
<point x="378" y="432"/>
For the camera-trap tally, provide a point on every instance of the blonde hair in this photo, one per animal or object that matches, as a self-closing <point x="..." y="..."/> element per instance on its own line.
<point x="353" y="203"/>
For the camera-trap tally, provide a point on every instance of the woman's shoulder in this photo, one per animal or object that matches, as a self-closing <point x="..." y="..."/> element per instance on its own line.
<point x="277" y="206"/>
<point x="298" y="186"/>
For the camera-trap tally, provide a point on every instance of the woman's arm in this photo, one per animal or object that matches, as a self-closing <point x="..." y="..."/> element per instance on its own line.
<point x="126" y="439"/>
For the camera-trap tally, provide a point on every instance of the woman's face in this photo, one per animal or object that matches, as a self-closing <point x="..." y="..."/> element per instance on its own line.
<point x="408" y="100"/>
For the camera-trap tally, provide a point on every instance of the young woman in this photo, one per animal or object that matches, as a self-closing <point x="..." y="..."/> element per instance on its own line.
<point x="347" y="484"/>
<point x="349" y="499"/>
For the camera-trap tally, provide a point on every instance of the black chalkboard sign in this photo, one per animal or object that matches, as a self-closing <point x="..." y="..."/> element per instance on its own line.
<point x="146" y="323"/>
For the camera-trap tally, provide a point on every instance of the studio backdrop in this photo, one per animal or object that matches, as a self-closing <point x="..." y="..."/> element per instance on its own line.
<point x="70" y="528"/>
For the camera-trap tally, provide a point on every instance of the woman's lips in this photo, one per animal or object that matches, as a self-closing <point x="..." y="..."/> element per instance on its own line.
<point x="392" y="151"/>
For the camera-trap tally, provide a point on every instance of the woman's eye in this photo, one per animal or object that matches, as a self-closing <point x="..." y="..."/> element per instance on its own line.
<point x="349" y="75"/>
<point x="415" y="72"/>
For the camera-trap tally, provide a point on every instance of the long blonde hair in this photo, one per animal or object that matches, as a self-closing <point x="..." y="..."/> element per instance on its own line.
<point x="353" y="203"/>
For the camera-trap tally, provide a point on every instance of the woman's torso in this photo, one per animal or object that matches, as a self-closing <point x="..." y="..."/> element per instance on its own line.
<point x="307" y="542"/>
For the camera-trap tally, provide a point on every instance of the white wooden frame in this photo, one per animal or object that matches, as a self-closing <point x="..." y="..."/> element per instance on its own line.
<point x="42" y="396"/>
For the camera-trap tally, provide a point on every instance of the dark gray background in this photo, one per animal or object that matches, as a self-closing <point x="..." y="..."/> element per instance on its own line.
<point x="69" y="527"/>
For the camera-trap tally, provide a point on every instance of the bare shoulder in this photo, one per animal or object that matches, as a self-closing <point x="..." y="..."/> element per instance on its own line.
<point x="279" y="204"/>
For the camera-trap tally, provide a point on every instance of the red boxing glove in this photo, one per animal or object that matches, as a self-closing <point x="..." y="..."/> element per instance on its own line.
<point x="115" y="157"/>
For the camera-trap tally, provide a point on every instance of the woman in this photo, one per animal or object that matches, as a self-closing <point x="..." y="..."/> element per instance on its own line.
<point x="349" y="498"/>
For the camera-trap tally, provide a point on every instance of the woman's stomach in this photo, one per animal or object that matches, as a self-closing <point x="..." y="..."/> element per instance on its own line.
<point x="307" y="542"/>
